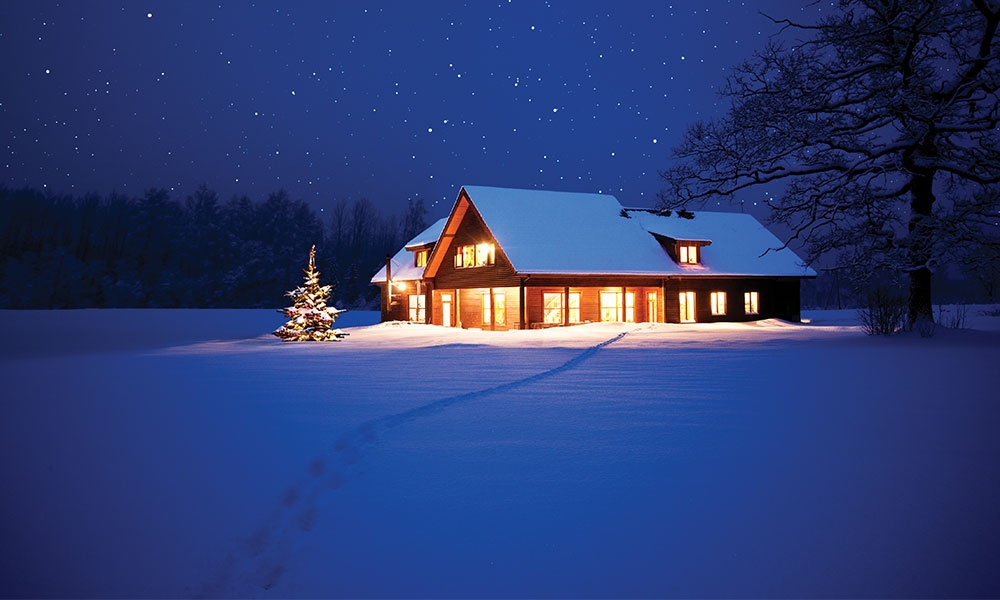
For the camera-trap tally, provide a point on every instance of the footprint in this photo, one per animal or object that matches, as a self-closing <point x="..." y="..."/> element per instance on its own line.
<point x="316" y="467"/>
<point x="307" y="520"/>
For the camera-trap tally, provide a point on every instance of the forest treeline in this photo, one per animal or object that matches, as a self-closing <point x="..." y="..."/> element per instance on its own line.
<point x="61" y="251"/>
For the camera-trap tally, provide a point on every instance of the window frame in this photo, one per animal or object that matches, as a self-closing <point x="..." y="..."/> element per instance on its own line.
<point x="550" y="312"/>
<point x="418" y="313"/>
<point x="751" y="302"/>
<point x="687" y="307"/>
<point x="469" y="256"/>
<point x="719" y="304"/>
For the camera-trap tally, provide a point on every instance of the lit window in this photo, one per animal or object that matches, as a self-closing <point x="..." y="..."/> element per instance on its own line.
<point x="574" y="307"/>
<point x="499" y="308"/>
<point x="417" y="308"/>
<point x="421" y="258"/>
<point x="718" y="303"/>
<point x="750" y="303"/>
<point x="478" y="255"/>
<point x="651" y="305"/>
<point x="497" y="312"/>
<point x="552" y="308"/>
<point x="688" y="254"/>
<point x="687" y="307"/>
<point x="611" y="307"/>
<point x="487" y="310"/>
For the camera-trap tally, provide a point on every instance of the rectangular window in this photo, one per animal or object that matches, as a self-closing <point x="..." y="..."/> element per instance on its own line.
<point x="718" y="303"/>
<point x="751" y="304"/>
<point x="611" y="308"/>
<point x="630" y="307"/>
<point x="421" y="258"/>
<point x="418" y="308"/>
<point x="475" y="255"/>
<point x="651" y="306"/>
<point x="574" y="307"/>
<point x="687" y="307"/>
<point x="688" y="254"/>
<point x="552" y="313"/>
<point x="487" y="310"/>
<point x="499" y="308"/>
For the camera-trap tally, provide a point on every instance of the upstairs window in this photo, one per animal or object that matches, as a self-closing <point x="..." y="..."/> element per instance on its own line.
<point x="751" y="303"/>
<point x="421" y="258"/>
<point x="477" y="255"/>
<point x="687" y="254"/>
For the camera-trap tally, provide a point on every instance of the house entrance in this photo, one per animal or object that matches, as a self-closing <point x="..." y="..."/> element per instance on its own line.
<point x="446" y="309"/>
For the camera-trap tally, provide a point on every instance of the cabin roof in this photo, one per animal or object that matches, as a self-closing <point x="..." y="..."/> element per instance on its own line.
<point x="563" y="233"/>
<point x="740" y="244"/>
<point x="403" y="268"/>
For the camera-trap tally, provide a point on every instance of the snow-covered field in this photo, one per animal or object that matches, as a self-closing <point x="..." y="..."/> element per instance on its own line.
<point x="180" y="453"/>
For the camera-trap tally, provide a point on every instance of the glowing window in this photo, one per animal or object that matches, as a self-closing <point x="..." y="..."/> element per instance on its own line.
<point x="718" y="303"/>
<point x="499" y="308"/>
<point x="687" y="307"/>
<point x="618" y="307"/>
<point x="688" y="254"/>
<point x="478" y="255"/>
<point x="421" y="258"/>
<point x="418" y="308"/>
<point x="552" y="310"/>
<point x="751" y="304"/>
<point x="574" y="307"/>
<point x="651" y="305"/>
<point x="487" y="310"/>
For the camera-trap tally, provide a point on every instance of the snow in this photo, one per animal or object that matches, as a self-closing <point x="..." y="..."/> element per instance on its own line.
<point x="179" y="453"/>
<point x="403" y="267"/>
<point x="740" y="244"/>
<point x="549" y="232"/>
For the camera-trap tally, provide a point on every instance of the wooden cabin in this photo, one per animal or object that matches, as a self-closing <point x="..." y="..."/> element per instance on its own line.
<point x="519" y="259"/>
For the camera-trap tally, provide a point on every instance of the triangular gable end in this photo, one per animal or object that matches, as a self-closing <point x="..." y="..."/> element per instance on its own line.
<point x="463" y="210"/>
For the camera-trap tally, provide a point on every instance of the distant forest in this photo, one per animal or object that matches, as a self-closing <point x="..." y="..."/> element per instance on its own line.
<point x="59" y="251"/>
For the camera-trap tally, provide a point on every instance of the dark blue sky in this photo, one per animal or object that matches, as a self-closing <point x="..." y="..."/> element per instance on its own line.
<point x="342" y="100"/>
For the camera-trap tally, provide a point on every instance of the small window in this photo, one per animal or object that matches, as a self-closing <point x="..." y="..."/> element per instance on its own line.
<point x="688" y="254"/>
<point x="421" y="258"/>
<point x="477" y="255"/>
<point x="651" y="305"/>
<point x="499" y="308"/>
<point x="751" y="304"/>
<point x="574" y="307"/>
<point x="552" y="308"/>
<point x="718" y="303"/>
<point x="687" y="307"/>
<point x="418" y="308"/>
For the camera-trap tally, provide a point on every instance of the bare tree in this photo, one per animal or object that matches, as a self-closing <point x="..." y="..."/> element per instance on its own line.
<point x="881" y="123"/>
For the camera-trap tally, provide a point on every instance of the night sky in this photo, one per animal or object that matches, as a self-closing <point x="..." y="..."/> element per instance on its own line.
<point x="338" y="100"/>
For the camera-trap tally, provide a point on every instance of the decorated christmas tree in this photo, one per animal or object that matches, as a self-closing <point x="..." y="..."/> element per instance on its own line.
<point x="310" y="319"/>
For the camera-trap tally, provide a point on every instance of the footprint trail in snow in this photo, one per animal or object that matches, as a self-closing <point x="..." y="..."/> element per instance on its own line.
<point x="259" y="562"/>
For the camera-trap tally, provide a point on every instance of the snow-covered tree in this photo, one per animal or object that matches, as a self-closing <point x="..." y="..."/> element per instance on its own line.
<point x="882" y="121"/>
<point x="310" y="319"/>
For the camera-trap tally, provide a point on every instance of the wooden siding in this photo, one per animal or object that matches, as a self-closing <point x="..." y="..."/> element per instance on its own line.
<point x="472" y="231"/>
<point x="777" y="298"/>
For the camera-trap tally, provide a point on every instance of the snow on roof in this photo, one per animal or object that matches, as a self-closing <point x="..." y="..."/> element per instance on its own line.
<point x="547" y="232"/>
<point x="740" y="244"/>
<point x="566" y="232"/>
<point x="403" y="266"/>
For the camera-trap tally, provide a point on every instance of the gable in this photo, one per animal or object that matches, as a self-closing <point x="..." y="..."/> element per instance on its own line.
<point x="466" y="230"/>
<point x="566" y="233"/>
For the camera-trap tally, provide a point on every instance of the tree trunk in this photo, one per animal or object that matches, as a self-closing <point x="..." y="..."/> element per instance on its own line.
<point x="921" y="228"/>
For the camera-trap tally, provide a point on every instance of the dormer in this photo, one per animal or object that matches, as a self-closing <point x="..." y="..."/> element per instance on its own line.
<point x="420" y="253"/>
<point x="684" y="252"/>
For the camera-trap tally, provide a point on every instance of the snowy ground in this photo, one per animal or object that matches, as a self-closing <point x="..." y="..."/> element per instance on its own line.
<point x="181" y="453"/>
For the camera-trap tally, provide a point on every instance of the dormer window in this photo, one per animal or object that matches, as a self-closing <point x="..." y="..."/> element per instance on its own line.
<point x="420" y="257"/>
<point x="687" y="254"/>
<point x="475" y="255"/>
